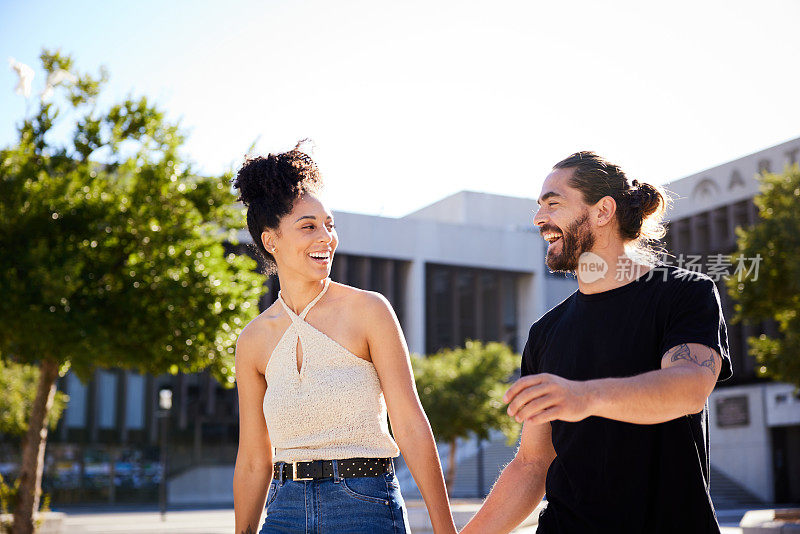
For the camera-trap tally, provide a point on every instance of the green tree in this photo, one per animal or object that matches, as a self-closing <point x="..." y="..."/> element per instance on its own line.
<point x="113" y="253"/>
<point x="773" y="291"/>
<point x="461" y="391"/>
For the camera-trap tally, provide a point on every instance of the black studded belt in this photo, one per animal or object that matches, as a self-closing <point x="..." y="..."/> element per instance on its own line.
<point x="349" y="467"/>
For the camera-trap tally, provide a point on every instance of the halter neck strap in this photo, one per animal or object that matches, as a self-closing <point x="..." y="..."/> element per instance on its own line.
<point x="308" y="307"/>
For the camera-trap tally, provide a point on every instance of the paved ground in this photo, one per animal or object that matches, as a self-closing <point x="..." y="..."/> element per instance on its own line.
<point x="220" y="521"/>
<point x="189" y="521"/>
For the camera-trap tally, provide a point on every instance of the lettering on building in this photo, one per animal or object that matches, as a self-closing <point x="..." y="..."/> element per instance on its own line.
<point x="736" y="180"/>
<point x="705" y="189"/>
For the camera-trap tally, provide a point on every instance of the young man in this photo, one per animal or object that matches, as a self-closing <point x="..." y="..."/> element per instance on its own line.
<point x="615" y="378"/>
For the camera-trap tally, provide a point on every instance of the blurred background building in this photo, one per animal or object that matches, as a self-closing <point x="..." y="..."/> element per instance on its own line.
<point x="755" y="423"/>
<point x="470" y="266"/>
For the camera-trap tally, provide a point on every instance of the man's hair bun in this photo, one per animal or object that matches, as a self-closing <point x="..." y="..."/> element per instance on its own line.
<point x="640" y="206"/>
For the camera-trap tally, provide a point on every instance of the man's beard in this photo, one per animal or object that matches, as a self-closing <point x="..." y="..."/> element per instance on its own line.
<point x="577" y="239"/>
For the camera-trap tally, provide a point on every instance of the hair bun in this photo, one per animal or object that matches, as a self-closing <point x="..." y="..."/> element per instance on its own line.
<point x="251" y="180"/>
<point x="269" y="186"/>
<point x="276" y="177"/>
<point x="650" y="199"/>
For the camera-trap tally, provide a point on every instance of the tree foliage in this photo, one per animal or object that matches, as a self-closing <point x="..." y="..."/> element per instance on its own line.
<point x="461" y="391"/>
<point x="773" y="293"/>
<point x="18" y="384"/>
<point x="112" y="246"/>
<point x="112" y="253"/>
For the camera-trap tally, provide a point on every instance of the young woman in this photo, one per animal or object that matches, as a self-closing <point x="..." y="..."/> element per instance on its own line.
<point x="316" y="372"/>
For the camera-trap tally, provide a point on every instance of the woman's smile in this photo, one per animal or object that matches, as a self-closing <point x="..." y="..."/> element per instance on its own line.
<point x="321" y="257"/>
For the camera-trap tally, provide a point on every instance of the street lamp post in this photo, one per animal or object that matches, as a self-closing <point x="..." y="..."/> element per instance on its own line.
<point x="165" y="405"/>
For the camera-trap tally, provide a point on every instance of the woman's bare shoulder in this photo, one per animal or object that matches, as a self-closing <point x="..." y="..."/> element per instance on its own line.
<point x="353" y="295"/>
<point x="366" y="304"/>
<point x="260" y="336"/>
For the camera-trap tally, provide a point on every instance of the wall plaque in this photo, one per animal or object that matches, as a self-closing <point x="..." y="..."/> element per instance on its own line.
<point x="733" y="411"/>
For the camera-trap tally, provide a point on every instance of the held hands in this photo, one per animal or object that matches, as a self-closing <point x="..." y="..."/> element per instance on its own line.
<point x="543" y="398"/>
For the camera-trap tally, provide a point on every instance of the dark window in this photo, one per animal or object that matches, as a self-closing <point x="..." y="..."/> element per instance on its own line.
<point x="375" y="276"/>
<point x="466" y="303"/>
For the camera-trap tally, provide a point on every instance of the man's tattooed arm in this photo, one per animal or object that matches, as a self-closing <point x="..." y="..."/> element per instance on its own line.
<point x="249" y="530"/>
<point x="683" y="352"/>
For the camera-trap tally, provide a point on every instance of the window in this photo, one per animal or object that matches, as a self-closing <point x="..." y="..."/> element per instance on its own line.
<point x="134" y="402"/>
<point x="466" y="303"/>
<point x="106" y="404"/>
<point x="76" y="408"/>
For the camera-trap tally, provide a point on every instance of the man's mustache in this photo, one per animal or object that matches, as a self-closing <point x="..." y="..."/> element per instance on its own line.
<point x="544" y="229"/>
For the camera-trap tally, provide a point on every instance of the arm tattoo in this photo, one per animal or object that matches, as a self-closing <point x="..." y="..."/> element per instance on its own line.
<point x="249" y="530"/>
<point x="682" y="352"/>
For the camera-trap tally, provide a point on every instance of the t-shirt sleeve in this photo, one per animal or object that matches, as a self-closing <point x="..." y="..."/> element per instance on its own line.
<point x="529" y="365"/>
<point x="696" y="317"/>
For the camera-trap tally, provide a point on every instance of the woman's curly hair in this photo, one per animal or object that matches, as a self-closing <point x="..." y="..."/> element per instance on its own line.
<point x="269" y="187"/>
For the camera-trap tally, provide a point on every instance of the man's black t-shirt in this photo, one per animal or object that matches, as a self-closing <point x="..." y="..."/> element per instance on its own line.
<point x="610" y="476"/>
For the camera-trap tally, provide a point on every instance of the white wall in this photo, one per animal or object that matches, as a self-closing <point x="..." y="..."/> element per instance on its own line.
<point x="414" y="319"/>
<point x="783" y="405"/>
<point x="438" y="242"/>
<point x="481" y="209"/>
<point x="744" y="453"/>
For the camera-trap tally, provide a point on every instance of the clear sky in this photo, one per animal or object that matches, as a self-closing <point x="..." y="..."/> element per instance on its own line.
<point x="411" y="101"/>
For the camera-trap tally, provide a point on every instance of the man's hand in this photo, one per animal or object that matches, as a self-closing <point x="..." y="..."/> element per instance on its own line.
<point x="543" y="398"/>
<point x="681" y="387"/>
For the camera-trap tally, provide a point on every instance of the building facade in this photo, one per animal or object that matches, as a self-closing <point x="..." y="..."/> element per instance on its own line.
<point x="755" y="423"/>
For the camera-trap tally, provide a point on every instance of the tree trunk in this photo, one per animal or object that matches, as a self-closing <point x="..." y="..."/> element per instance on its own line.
<point x="33" y="445"/>
<point x="450" y="478"/>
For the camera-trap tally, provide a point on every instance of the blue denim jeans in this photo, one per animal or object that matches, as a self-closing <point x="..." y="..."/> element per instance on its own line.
<point x="335" y="505"/>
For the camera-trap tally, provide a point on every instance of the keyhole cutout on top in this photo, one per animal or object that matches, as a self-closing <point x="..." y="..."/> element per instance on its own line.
<point x="299" y="356"/>
<point x="298" y="321"/>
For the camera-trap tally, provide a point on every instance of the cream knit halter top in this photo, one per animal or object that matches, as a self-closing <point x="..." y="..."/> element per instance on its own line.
<point x="333" y="408"/>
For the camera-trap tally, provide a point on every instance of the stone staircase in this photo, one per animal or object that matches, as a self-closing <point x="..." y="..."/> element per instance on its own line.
<point x="728" y="494"/>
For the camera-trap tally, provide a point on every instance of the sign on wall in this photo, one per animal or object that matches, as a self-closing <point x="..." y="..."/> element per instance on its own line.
<point x="733" y="411"/>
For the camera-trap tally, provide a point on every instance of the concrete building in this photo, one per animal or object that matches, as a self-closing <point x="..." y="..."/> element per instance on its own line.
<point x="755" y="424"/>
<point x="468" y="266"/>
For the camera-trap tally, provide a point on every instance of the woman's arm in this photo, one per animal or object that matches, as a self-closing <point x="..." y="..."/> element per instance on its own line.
<point x="412" y="431"/>
<point x="253" y="471"/>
